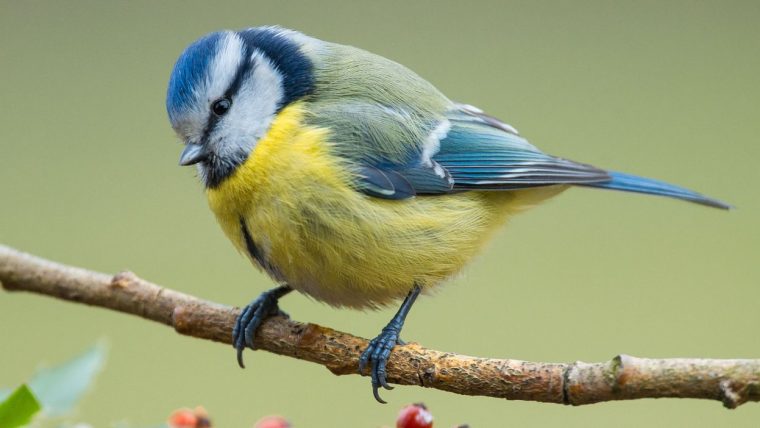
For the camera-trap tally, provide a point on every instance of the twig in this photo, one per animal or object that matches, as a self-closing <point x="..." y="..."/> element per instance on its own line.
<point x="733" y="382"/>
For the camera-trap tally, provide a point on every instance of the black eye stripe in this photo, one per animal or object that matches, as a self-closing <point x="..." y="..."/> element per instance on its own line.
<point x="243" y="70"/>
<point x="246" y="65"/>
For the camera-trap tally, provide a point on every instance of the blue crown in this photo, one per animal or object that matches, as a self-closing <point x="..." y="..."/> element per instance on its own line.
<point x="189" y="72"/>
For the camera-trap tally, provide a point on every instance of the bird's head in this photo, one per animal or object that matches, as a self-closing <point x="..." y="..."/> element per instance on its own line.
<point x="226" y="89"/>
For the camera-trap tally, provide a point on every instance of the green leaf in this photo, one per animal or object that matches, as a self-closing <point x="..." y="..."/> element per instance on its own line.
<point x="19" y="408"/>
<point x="60" y="387"/>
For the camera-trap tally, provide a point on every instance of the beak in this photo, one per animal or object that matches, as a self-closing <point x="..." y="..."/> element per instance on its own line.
<point x="193" y="154"/>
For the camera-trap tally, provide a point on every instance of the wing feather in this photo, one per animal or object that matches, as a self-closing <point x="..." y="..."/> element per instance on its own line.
<point x="481" y="152"/>
<point x="398" y="155"/>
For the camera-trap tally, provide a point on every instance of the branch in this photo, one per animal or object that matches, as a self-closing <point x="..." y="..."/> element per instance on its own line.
<point x="733" y="382"/>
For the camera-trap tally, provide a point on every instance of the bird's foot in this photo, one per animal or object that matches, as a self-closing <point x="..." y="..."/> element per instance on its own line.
<point x="252" y="316"/>
<point x="379" y="349"/>
<point x="376" y="355"/>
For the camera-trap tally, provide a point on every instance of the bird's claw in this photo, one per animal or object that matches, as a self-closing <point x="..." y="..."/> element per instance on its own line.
<point x="376" y="355"/>
<point x="250" y="319"/>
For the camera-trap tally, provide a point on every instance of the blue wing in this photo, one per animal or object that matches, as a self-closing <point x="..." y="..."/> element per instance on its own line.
<point x="469" y="150"/>
<point x="482" y="153"/>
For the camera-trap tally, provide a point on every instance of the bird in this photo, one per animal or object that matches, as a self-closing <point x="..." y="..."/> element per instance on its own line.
<point x="349" y="178"/>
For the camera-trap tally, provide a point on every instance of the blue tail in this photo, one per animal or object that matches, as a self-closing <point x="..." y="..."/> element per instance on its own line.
<point x="632" y="183"/>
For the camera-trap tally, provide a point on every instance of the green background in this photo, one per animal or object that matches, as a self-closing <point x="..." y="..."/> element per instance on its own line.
<point x="89" y="176"/>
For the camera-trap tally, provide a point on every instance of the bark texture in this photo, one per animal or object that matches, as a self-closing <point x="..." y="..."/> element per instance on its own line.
<point x="733" y="382"/>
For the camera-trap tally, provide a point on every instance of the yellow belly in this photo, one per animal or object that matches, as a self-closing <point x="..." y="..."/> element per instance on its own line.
<point x="338" y="245"/>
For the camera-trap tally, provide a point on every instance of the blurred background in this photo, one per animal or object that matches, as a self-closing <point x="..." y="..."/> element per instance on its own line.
<point x="668" y="90"/>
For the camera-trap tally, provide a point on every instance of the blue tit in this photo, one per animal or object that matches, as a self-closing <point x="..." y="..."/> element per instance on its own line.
<point x="349" y="178"/>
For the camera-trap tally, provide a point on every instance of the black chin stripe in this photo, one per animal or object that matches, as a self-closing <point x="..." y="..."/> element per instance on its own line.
<point x="217" y="169"/>
<point x="296" y="68"/>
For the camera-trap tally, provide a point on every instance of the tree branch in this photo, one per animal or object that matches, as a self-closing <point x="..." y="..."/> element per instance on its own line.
<point x="733" y="382"/>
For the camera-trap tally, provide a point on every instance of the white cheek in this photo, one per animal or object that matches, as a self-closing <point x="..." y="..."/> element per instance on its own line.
<point x="259" y="98"/>
<point x="253" y="109"/>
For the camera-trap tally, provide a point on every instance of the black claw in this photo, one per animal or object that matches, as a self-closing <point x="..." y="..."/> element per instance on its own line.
<point x="377" y="395"/>
<point x="240" y="357"/>
<point x="376" y="355"/>
<point x="252" y="316"/>
<point x="379" y="349"/>
<point x="381" y="376"/>
<point x="237" y="338"/>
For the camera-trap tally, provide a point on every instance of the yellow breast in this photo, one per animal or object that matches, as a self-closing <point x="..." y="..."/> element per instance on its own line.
<point x="322" y="237"/>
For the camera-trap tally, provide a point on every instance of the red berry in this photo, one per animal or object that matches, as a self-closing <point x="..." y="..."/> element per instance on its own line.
<point x="182" y="418"/>
<point x="414" y="416"/>
<point x="272" y="422"/>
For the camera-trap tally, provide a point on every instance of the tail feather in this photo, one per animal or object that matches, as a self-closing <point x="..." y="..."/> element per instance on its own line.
<point x="633" y="183"/>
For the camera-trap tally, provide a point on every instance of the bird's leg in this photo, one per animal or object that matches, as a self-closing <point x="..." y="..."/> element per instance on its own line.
<point x="253" y="315"/>
<point x="379" y="348"/>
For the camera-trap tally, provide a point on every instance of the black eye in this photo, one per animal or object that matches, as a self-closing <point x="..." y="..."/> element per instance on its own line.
<point x="221" y="106"/>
